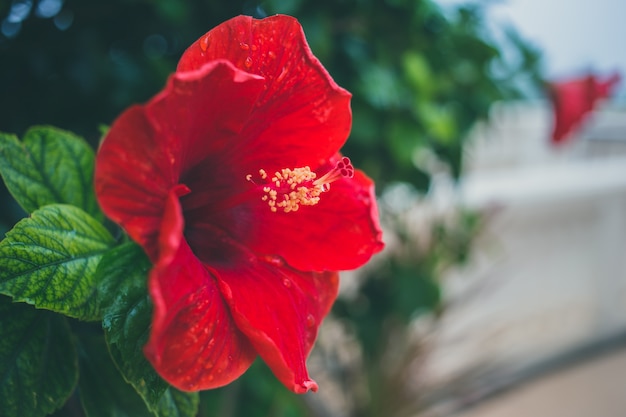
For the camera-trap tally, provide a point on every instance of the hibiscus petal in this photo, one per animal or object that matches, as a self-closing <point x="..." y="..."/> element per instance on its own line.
<point x="147" y="148"/>
<point x="194" y="343"/>
<point x="574" y="99"/>
<point x="303" y="117"/>
<point x="133" y="176"/>
<point x="280" y="310"/>
<point x="341" y="232"/>
<point x="204" y="111"/>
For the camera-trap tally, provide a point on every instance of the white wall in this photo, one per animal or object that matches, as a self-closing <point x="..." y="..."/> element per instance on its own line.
<point x="549" y="271"/>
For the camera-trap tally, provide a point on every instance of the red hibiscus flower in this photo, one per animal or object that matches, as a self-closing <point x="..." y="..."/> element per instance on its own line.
<point x="573" y="100"/>
<point x="231" y="181"/>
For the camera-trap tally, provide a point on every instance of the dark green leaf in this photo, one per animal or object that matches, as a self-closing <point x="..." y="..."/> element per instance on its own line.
<point x="103" y="391"/>
<point x="39" y="368"/>
<point x="49" y="166"/>
<point x="175" y="403"/>
<point x="49" y="260"/>
<point x="122" y="276"/>
<point x="122" y="273"/>
<point x="126" y="323"/>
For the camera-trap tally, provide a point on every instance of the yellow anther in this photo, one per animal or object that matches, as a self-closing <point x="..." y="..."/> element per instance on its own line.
<point x="288" y="189"/>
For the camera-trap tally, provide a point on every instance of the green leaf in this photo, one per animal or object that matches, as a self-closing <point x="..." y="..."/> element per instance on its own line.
<point x="418" y="73"/>
<point x="102" y="389"/>
<point x="49" y="166"/>
<point x="175" y="403"/>
<point x="127" y="319"/>
<point x="122" y="276"/>
<point x="39" y="366"/>
<point x="104" y="392"/>
<point x="49" y="260"/>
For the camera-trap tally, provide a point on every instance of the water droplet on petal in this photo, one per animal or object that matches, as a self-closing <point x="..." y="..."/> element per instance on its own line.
<point x="287" y="283"/>
<point x="254" y="47"/>
<point x="310" y="320"/>
<point x="282" y="75"/>
<point x="204" y="43"/>
<point x="274" y="260"/>
<point x="244" y="46"/>
<point x="271" y="54"/>
<point x="248" y="62"/>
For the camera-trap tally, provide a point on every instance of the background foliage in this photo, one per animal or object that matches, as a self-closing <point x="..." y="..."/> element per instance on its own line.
<point x="421" y="77"/>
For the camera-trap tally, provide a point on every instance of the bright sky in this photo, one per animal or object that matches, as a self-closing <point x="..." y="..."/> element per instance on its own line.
<point x="574" y="35"/>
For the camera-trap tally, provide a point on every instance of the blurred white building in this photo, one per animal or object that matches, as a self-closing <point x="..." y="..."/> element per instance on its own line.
<point x="547" y="283"/>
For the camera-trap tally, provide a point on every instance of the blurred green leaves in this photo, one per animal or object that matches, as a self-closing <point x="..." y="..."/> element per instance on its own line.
<point x="39" y="365"/>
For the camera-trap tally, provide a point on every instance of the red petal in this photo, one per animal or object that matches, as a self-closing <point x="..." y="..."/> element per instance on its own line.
<point x="573" y="100"/>
<point x="194" y="343"/>
<point x="280" y="311"/>
<point x="148" y="147"/>
<point x="133" y="175"/>
<point x="341" y="232"/>
<point x="303" y="117"/>
<point x="204" y="111"/>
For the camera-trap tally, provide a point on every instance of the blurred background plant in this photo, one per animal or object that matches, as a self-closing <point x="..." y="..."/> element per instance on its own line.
<point x="421" y="77"/>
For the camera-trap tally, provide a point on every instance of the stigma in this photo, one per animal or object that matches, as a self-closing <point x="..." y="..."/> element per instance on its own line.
<point x="288" y="189"/>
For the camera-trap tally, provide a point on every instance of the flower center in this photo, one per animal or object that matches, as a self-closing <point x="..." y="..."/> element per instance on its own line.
<point x="288" y="189"/>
